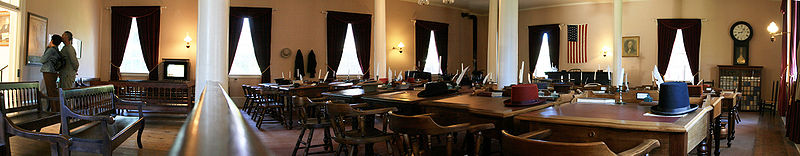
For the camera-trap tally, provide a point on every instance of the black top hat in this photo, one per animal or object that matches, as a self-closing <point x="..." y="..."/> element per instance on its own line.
<point x="435" y="89"/>
<point x="673" y="99"/>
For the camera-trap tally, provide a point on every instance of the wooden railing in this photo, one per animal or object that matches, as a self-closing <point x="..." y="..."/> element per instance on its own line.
<point x="216" y="127"/>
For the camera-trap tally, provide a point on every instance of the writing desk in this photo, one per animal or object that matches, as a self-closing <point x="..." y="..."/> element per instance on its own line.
<point x="479" y="109"/>
<point x="624" y="126"/>
<point x="352" y="95"/>
<point x="406" y="101"/>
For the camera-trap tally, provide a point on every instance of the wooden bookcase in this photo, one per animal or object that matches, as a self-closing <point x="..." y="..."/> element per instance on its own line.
<point x="745" y="79"/>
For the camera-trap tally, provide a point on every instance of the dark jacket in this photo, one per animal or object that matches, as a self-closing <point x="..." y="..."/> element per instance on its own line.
<point x="298" y="65"/>
<point x="312" y="64"/>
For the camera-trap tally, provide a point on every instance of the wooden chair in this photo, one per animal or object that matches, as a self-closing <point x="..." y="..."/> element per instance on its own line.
<point x="312" y="117"/>
<point x="422" y="127"/>
<point x="92" y="113"/>
<point x="23" y="116"/>
<point x="265" y="103"/>
<point x="361" y="133"/>
<point x="523" y="145"/>
<point x="24" y="105"/>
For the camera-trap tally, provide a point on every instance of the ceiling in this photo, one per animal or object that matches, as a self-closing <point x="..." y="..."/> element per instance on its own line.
<point x="482" y="6"/>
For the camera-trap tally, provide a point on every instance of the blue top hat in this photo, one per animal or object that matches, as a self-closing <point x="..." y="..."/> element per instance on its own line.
<point x="673" y="99"/>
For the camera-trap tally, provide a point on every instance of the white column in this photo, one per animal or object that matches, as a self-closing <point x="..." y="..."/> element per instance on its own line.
<point x="379" y="41"/>
<point x="212" y="43"/>
<point x="617" y="76"/>
<point x="507" y="42"/>
<point x="492" y="59"/>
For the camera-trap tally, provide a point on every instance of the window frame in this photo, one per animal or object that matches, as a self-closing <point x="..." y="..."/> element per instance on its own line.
<point x="128" y="45"/>
<point x="245" y="23"/>
<point x="349" y="32"/>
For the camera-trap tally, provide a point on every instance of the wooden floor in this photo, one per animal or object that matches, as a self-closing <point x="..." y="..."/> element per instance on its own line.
<point x="757" y="134"/>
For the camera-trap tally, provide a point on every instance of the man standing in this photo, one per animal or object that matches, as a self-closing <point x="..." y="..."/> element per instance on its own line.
<point x="70" y="69"/>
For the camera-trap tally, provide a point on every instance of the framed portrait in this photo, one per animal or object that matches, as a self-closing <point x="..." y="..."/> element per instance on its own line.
<point x="630" y="46"/>
<point x="5" y="20"/>
<point x="37" y="38"/>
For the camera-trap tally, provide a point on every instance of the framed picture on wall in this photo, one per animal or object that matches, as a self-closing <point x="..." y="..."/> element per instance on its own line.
<point x="630" y="46"/>
<point x="37" y="38"/>
<point x="5" y="20"/>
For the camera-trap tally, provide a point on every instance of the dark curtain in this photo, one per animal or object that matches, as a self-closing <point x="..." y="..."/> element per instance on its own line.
<point x="788" y="88"/>
<point x="423" y="30"/>
<point x="261" y="31"/>
<point x="667" y="28"/>
<point x="362" y="33"/>
<point x="148" y="19"/>
<point x="535" y="43"/>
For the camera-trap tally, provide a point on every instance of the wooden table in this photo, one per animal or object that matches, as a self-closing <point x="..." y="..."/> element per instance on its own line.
<point x="729" y="105"/>
<point x="406" y="101"/>
<point x="352" y="95"/>
<point x="288" y="91"/>
<point x="479" y="109"/>
<point x="624" y="126"/>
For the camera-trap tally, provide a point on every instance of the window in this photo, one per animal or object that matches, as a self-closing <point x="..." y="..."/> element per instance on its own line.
<point x="543" y="63"/>
<point x="678" y="68"/>
<point x="244" y="60"/>
<point x="133" y="60"/>
<point x="432" y="64"/>
<point x="348" y="65"/>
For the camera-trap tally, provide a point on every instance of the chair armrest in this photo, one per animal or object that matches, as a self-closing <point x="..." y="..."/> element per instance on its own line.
<point x="642" y="149"/>
<point x="536" y="134"/>
<point x="38" y="135"/>
<point x="480" y="127"/>
<point x="376" y="111"/>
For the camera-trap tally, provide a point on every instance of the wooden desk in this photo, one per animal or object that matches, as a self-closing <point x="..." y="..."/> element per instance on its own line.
<point x="406" y="101"/>
<point x="729" y="105"/>
<point x="288" y="91"/>
<point x="479" y="109"/>
<point x="352" y="95"/>
<point x="623" y="126"/>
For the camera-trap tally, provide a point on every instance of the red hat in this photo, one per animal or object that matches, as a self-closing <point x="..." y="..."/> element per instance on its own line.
<point x="524" y="95"/>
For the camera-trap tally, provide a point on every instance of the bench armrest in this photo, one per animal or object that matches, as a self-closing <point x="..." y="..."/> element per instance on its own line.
<point x="56" y="138"/>
<point x="642" y="149"/>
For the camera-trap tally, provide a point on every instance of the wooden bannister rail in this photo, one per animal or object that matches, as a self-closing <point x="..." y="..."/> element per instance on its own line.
<point x="216" y="127"/>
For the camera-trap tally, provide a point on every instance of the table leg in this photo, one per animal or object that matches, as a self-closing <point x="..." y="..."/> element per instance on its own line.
<point x="731" y="124"/>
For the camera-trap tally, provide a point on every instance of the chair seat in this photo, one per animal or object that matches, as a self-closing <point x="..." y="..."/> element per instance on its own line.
<point x="92" y="131"/>
<point x="35" y="119"/>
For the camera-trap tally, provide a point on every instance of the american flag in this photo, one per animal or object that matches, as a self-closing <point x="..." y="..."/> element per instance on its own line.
<point x="576" y="44"/>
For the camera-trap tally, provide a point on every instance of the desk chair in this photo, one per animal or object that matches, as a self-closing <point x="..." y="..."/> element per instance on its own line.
<point x="312" y="117"/>
<point x="523" y="145"/>
<point x="422" y="128"/>
<point x="349" y="140"/>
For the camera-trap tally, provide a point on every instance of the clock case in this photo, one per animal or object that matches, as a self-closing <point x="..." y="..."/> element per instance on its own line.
<point x="741" y="48"/>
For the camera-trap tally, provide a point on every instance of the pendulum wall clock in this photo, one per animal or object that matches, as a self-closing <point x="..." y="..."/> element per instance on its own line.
<point x="741" y="33"/>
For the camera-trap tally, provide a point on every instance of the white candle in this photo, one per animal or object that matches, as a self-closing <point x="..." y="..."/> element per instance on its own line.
<point x="283" y="76"/>
<point x="325" y="79"/>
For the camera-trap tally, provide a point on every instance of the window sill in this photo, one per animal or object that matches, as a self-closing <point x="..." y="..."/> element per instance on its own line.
<point x="245" y="76"/>
<point x="134" y="74"/>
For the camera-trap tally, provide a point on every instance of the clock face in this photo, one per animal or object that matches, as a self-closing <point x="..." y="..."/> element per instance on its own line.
<point x="741" y="32"/>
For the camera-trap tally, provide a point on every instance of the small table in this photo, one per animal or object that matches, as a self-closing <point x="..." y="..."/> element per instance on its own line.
<point x="624" y="126"/>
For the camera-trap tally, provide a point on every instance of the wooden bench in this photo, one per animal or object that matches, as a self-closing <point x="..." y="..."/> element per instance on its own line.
<point x="90" y="121"/>
<point x="161" y="97"/>
<point x="24" y="116"/>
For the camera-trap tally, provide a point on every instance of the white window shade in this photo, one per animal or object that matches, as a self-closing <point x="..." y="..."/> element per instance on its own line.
<point x="133" y="59"/>
<point x="543" y="63"/>
<point x="678" y="68"/>
<point x="244" y="60"/>
<point x="348" y="65"/>
<point x="432" y="64"/>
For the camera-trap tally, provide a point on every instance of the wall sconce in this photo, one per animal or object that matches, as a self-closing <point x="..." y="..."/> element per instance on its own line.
<point x="773" y="31"/>
<point x="187" y="39"/>
<point x="605" y="51"/>
<point x="399" y="47"/>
